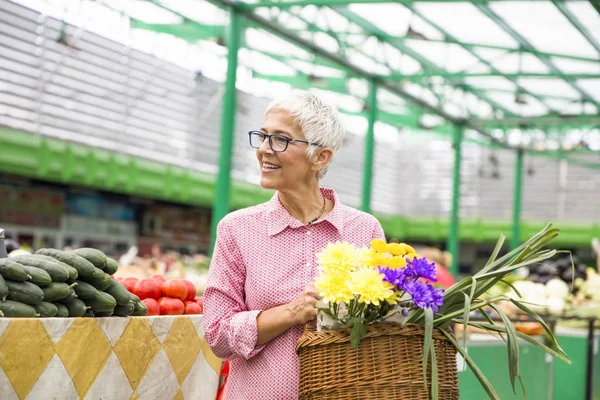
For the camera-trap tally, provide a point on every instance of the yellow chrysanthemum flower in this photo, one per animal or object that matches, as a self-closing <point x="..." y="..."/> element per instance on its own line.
<point x="408" y="249"/>
<point x="368" y="284"/>
<point x="379" y="245"/>
<point x="396" y="249"/>
<point x="338" y="258"/>
<point x="367" y="257"/>
<point x="334" y="288"/>
<point x="396" y="262"/>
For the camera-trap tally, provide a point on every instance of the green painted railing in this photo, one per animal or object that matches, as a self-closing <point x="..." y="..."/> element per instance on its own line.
<point x="53" y="160"/>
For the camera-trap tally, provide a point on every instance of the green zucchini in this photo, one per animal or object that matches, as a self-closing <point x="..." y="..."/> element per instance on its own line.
<point x="76" y="307"/>
<point x="63" y="311"/>
<point x="14" y="309"/>
<point x="24" y="292"/>
<point x="111" y="266"/>
<point x="125" y="311"/>
<point x="12" y="270"/>
<point x="46" y="310"/>
<point x="94" y="256"/>
<point x="3" y="289"/>
<point x="38" y="276"/>
<point x="57" y="272"/>
<point x="73" y="274"/>
<point x="99" y="279"/>
<point x="101" y="314"/>
<point x="89" y="313"/>
<point x="103" y="302"/>
<point x="118" y="291"/>
<point x="83" y="266"/>
<point x="140" y="309"/>
<point x="57" y="291"/>
<point x="85" y="291"/>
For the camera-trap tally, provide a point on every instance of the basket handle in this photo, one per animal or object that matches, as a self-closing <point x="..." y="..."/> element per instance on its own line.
<point x="310" y="326"/>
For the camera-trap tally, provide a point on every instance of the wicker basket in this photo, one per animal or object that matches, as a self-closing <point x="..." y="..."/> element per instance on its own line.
<point x="387" y="365"/>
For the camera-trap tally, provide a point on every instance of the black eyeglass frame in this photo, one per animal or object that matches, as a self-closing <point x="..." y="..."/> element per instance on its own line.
<point x="287" y="140"/>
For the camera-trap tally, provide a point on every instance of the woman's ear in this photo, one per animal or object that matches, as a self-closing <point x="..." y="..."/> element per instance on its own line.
<point x="323" y="158"/>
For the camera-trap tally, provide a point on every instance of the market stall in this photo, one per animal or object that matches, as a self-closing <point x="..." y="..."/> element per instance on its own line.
<point x="162" y="357"/>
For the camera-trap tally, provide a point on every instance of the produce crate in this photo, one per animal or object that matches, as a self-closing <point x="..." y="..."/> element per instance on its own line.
<point x="154" y="358"/>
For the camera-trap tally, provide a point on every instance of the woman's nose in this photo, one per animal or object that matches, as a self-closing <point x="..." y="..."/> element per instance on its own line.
<point x="265" y="146"/>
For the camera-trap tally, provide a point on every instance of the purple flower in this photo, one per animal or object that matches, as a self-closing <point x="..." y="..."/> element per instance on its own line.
<point x="421" y="268"/>
<point x="424" y="295"/>
<point x="396" y="277"/>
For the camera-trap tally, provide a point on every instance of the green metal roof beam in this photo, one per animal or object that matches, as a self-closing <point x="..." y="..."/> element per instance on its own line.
<point x="539" y="121"/>
<point x="426" y="63"/>
<point x="294" y="3"/>
<point x="542" y="96"/>
<point x="188" y="30"/>
<point x="525" y="43"/>
<point x="461" y="75"/>
<point x="562" y="7"/>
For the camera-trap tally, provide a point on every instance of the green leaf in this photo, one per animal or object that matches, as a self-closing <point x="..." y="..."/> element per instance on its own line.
<point x="512" y="287"/>
<point x="427" y="342"/>
<point x="512" y="346"/>
<point x="539" y="319"/>
<point x="359" y="331"/>
<point x="434" y="375"/>
<point x="478" y="374"/>
<point x="497" y="249"/>
<point x="326" y="311"/>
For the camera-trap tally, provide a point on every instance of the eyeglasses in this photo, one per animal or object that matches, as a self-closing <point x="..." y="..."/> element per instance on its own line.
<point x="278" y="143"/>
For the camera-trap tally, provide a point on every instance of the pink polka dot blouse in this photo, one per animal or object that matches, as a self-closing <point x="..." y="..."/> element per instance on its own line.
<point x="264" y="258"/>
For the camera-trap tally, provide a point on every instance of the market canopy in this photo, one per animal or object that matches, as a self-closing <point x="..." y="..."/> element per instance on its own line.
<point x="523" y="74"/>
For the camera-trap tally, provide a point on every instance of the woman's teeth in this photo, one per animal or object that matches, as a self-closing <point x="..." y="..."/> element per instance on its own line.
<point x="270" y="166"/>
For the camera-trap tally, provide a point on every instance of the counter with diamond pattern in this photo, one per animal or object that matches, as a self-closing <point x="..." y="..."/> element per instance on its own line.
<point x="151" y="358"/>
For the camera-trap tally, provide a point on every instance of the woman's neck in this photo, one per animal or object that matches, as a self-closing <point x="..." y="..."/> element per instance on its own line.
<point x="305" y="205"/>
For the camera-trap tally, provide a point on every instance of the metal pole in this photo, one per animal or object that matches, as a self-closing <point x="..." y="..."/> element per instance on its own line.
<point x="369" y="149"/>
<point x="589" y="379"/>
<point x="221" y="204"/>
<point x="516" y="231"/>
<point x="453" y="240"/>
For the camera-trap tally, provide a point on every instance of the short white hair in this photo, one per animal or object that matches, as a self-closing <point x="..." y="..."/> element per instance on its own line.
<point x="320" y="121"/>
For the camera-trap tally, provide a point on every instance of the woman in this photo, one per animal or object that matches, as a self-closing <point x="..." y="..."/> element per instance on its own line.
<point x="259" y="296"/>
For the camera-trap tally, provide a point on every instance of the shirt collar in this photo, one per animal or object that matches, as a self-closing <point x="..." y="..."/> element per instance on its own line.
<point x="278" y="218"/>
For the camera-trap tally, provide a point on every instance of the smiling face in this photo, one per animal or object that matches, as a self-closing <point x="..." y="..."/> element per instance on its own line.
<point x="289" y="169"/>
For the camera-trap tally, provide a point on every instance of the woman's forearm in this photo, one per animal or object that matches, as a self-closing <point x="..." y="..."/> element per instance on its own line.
<point x="273" y="322"/>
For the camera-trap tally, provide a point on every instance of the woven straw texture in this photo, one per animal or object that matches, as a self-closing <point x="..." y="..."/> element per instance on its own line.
<point x="387" y="365"/>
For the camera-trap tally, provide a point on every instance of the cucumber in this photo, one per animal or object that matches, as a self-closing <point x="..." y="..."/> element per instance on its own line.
<point x="103" y="302"/>
<point x="76" y="307"/>
<point x="94" y="256"/>
<point x="85" y="291"/>
<point x="73" y="274"/>
<point x="111" y="266"/>
<point x="46" y="310"/>
<point x="12" y="270"/>
<point x="101" y="314"/>
<point x="24" y="292"/>
<point x="124" y="311"/>
<point x="57" y="291"/>
<point x="71" y="295"/>
<point x="57" y="272"/>
<point x="83" y="266"/>
<point x="38" y="276"/>
<point x="98" y="279"/>
<point x="140" y="309"/>
<point x="89" y="313"/>
<point x="118" y="291"/>
<point x="14" y="309"/>
<point x="3" y="289"/>
<point x="134" y="298"/>
<point x="63" y="311"/>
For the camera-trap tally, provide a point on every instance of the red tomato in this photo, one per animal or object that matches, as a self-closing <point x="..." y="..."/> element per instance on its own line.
<point x="147" y="288"/>
<point x="200" y="301"/>
<point x="175" y="288"/>
<point x="169" y="306"/>
<point x="191" y="307"/>
<point x="152" y="305"/>
<point x="191" y="290"/>
<point x="159" y="278"/>
<point x="129" y="283"/>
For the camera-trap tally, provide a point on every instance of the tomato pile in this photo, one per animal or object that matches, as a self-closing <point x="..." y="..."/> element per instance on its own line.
<point x="162" y="297"/>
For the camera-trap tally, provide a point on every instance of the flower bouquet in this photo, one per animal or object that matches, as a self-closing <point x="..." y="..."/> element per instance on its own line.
<point x="384" y="330"/>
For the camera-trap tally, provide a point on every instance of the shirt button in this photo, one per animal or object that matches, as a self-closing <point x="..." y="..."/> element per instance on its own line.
<point x="308" y="264"/>
<point x="308" y="233"/>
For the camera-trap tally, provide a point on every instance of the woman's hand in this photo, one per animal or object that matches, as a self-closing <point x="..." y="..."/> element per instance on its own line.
<point x="304" y="307"/>
<point x="273" y="322"/>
